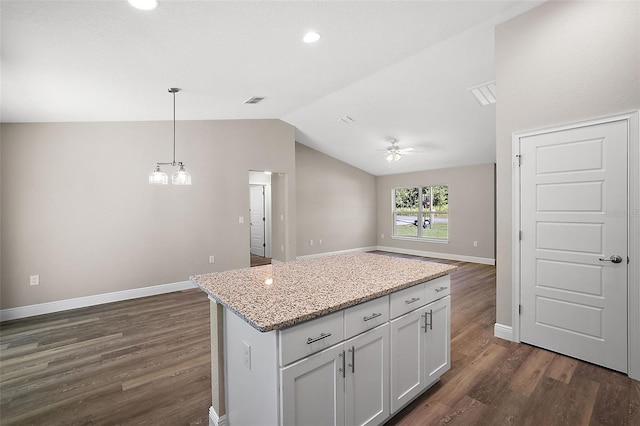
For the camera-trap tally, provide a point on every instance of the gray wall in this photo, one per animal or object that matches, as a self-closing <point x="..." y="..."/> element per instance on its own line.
<point x="76" y="207"/>
<point x="561" y="62"/>
<point x="336" y="203"/>
<point x="471" y="210"/>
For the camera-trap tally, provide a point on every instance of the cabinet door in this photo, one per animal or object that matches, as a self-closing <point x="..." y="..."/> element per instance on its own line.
<point x="367" y="380"/>
<point x="437" y="342"/>
<point x="406" y="358"/>
<point x="312" y="390"/>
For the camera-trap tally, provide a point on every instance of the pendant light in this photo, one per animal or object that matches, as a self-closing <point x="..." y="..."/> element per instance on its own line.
<point x="180" y="177"/>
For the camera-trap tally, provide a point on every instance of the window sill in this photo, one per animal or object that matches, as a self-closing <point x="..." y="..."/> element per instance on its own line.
<point x="420" y="239"/>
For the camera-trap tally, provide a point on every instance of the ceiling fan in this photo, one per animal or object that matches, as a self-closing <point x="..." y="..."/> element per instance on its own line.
<point x="393" y="152"/>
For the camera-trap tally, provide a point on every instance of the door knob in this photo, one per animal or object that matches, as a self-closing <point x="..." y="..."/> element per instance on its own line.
<point x="613" y="259"/>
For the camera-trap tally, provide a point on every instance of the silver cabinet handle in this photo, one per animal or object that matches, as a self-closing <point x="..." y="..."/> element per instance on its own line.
<point x="343" y="369"/>
<point x="428" y="324"/>
<point x="311" y="340"/>
<point x="414" y="299"/>
<point x="438" y="290"/>
<point x="372" y="316"/>
<point x="613" y="259"/>
<point x="353" y="359"/>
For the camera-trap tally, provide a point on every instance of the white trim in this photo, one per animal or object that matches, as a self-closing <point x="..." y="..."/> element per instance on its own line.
<point x="515" y="237"/>
<point x="633" y="313"/>
<point x="215" y="420"/>
<point x="98" y="299"/>
<point x="503" y="331"/>
<point x="438" y="255"/>
<point x="331" y="253"/>
<point x="634" y="247"/>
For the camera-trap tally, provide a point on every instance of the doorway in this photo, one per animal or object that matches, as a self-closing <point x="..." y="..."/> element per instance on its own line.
<point x="574" y="292"/>
<point x="260" y="218"/>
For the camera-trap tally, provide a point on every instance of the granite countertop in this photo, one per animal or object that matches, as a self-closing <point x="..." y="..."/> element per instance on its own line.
<point x="276" y="296"/>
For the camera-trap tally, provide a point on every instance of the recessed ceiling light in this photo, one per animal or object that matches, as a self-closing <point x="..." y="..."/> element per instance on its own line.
<point x="311" y="37"/>
<point x="144" y="4"/>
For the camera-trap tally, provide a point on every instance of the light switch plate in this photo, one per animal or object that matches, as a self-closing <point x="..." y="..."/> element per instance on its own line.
<point x="246" y="354"/>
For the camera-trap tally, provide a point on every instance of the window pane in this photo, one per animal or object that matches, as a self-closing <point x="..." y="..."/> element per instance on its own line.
<point x="406" y="224"/>
<point x="440" y="198"/>
<point x="426" y="198"/>
<point x="406" y="199"/>
<point x="436" y="225"/>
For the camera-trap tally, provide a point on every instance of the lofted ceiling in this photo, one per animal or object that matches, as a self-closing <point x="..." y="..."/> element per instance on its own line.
<point x="399" y="69"/>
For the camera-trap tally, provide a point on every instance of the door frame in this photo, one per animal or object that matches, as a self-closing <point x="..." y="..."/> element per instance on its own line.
<point x="633" y="217"/>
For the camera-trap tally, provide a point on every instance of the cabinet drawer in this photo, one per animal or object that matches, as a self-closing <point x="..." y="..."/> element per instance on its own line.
<point x="365" y="316"/>
<point x="437" y="289"/>
<point x="310" y="337"/>
<point x="407" y="300"/>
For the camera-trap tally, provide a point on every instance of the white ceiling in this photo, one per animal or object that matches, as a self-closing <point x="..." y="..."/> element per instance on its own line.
<point x="398" y="68"/>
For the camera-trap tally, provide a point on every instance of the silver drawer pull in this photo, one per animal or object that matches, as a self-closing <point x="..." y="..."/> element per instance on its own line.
<point x="372" y="316"/>
<point x="441" y="289"/>
<point x="311" y="340"/>
<point x="414" y="299"/>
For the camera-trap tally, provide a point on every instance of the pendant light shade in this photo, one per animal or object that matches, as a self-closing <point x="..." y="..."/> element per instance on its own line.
<point x="180" y="177"/>
<point x="158" y="177"/>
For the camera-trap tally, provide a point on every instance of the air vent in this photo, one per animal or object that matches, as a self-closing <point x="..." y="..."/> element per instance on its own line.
<point x="484" y="93"/>
<point x="347" y="120"/>
<point x="253" y="100"/>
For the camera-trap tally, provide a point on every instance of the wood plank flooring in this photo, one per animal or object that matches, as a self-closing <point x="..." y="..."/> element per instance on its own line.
<point x="141" y="361"/>
<point x="146" y="361"/>
<point x="259" y="260"/>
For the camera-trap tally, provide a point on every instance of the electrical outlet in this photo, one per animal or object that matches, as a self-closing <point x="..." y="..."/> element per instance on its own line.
<point x="240" y="219"/>
<point x="281" y="217"/>
<point x="310" y="242"/>
<point x="246" y="354"/>
<point x="382" y="236"/>
<point x="212" y="259"/>
<point x="475" y="244"/>
<point x="34" y="280"/>
<point x="281" y="248"/>
<point x="320" y="242"/>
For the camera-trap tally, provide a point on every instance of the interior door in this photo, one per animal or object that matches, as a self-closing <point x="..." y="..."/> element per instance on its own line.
<point x="573" y="283"/>
<point x="257" y="220"/>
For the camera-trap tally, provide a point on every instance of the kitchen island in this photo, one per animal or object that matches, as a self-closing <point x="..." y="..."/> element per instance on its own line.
<point x="346" y="339"/>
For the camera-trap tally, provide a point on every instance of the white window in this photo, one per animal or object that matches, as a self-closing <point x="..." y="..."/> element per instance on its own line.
<point x="421" y="212"/>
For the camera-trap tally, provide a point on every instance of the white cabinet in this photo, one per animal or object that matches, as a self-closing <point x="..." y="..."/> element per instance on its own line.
<point x="367" y="377"/>
<point x="312" y="389"/>
<point x="437" y="341"/>
<point x="420" y="350"/>
<point x="406" y="359"/>
<point x="345" y="384"/>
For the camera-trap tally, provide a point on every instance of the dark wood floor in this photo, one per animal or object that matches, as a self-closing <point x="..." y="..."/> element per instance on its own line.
<point x="259" y="260"/>
<point x="146" y="361"/>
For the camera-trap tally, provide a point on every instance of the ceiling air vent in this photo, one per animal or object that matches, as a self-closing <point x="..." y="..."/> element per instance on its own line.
<point x="253" y="100"/>
<point x="484" y="93"/>
<point x="347" y="120"/>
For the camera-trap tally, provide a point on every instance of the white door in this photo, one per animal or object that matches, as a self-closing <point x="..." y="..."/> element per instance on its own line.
<point x="437" y="345"/>
<point x="367" y="378"/>
<point x="313" y="390"/>
<point x="406" y="359"/>
<point x="257" y="220"/>
<point x="573" y="219"/>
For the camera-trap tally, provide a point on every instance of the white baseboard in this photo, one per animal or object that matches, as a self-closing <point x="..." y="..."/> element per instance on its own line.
<point x="503" y="331"/>
<point x="331" y="253"/>
<point x="215" y="420"/>
<point x="98" y="299"/>
<point x="438" y="255"/>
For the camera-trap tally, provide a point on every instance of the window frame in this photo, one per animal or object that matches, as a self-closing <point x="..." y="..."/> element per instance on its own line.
<point x="421" y="212"/>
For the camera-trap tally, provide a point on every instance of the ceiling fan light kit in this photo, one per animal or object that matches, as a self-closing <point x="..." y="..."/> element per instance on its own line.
<point x="181" y="176"/>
